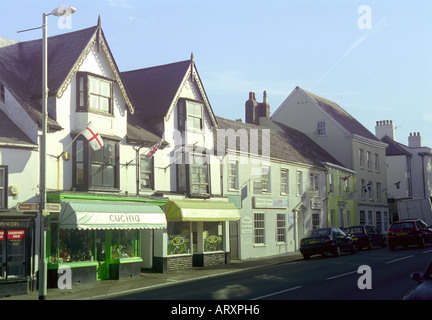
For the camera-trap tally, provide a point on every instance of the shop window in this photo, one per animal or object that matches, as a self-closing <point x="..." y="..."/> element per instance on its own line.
<point x="12" y="253"/>
<point x="3" y="187"/>
<point x="124" y="244"/>
<point x="179" y="234"/>
<point x="94" y="93"/>
<point x="74" y="246"/>
<point x="96" y="169"/>
<point x="213" y="236"/>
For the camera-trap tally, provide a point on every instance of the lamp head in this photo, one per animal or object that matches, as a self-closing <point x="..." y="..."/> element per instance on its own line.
<point x="63" y="11"/>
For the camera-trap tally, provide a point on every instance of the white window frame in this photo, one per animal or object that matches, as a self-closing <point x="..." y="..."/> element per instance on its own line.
<point x="284" y="182"/>
<point x="281" y="227"/>
<point x="299" y="182"/>
<point x="321" y="128"/>
<point x="233" y="174"/>
<point x="259" y="228"/>
<point x="314" y="181"/>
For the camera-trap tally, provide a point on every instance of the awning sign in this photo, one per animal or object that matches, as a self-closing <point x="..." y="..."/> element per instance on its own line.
<point x="16" y="234"/>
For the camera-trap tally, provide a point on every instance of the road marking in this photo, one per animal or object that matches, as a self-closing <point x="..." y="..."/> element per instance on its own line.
<point x="396" y="260"/>
<point x="276" y="293"/>
<point x="341" y="275"/>
<point x="426" y="251"/>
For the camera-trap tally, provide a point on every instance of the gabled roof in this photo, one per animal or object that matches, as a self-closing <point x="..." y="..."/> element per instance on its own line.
<point x="395" y="148"/>
<point x="287" y="145"/>
<point x="342" y="117"/>
<point x="155" y="91"/>
<point x="12" y="135"/>
<point x="21" y="67"/>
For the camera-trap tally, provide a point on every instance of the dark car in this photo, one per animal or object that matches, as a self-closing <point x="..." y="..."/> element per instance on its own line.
<point x="409" y="232"/>
<point x="423" y="290"/>
<point x="366" y="236"/>
<point x="326" y="240"/>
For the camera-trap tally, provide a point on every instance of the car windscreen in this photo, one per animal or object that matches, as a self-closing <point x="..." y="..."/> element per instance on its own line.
<point x="318" y="233"/>
<point x="402" y="226"/>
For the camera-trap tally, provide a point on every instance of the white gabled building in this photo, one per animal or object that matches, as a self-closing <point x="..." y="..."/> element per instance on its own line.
<point x="341" y="135"/>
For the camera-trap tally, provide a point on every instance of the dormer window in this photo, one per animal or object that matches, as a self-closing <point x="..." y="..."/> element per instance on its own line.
<point x="190" y="115"/>
<point x="94" y="93"/>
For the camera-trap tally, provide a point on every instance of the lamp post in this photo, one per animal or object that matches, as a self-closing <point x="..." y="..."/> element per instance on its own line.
<point x="61" y="11"/>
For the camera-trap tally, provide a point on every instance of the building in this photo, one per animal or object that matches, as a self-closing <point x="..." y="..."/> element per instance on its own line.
<point x="171" y="102"/>
<point x="356" y="148"/>
<point x="277" y="177"/>
<point x="103" y="227"/>
<point x="409" y="174"/>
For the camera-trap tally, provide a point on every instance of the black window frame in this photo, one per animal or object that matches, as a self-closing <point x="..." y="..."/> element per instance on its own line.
<point x="185" y="167"/>
<point x="87" y="160"/>
<point x="4" y="201"/>
<point x="85" y="106"/>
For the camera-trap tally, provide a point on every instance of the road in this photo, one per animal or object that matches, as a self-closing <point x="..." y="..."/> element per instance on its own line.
<point x="330" y="278"/>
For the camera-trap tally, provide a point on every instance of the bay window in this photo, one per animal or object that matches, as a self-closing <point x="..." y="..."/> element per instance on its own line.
<point x="94" y="93"/>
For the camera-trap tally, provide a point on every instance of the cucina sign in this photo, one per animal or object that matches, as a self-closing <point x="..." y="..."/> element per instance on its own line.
<point x="124" y="217"/>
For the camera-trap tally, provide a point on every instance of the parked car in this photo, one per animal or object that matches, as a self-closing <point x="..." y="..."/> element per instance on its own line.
<point x="409" y="232"/>
<point x="366" y="236"/>
<point x="326" y="240"/>
<point x="423" y="290"/>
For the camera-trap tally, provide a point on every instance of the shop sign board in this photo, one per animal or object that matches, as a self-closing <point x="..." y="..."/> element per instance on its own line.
<point x="16" y="234"/>
<point x="270" y="203"/>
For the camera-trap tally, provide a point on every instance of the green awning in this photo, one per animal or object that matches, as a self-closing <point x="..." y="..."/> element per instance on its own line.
<point x="188" y="210"/>
<point x="87" y="215"/>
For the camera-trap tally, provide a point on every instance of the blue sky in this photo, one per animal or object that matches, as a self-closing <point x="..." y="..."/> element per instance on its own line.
<point x="378" y="70"/>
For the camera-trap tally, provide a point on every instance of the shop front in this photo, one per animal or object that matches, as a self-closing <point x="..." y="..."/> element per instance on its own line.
<point x="16" y="239"/>
<point x="197" y="234"/>
<point x="99" y="240"/>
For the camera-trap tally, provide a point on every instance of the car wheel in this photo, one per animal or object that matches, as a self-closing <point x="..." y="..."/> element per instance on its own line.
<point x="337" y="251"/>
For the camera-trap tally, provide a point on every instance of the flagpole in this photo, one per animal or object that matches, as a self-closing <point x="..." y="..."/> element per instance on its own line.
<point x="68" y="146"/>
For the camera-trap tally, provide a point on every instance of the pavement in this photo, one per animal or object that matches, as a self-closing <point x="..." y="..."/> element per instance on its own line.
<point x="109" y="289"/>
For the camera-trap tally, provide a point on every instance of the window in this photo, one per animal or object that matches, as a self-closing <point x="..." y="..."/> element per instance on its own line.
<point x="331" y="186"/>
<point x="378" y="191"/>
<point x="213" y="236"/>
<point x="321" y="128"/>
<point x="332" y="217"/>
<point x="299" y="183"/>
<point x="193" y="178"/>
<point x="281" y="227"/>
<point x="370" y="217"/>
<point x="179" y="235"/>
<point x="314" y="182"/>
<point x="2" y="93"/>
<point x="94" y="93"/>
<point x="3" y="187"/>
<point x="370" y="190"/>
<point x="233" y="175"/>
<point x="385" y="222"/>
<point x="199" y="180"/>
<point x="125" y="244"/>
<point x="146" y="173"/>
<point x="363" y="189"/>
<point x="95" y="169"/>
<point x="377" y="167"/>
<point x="73" y="245"/>
<point x="368" y="160"/>
<point x="361" y="158"/>
<point x="378" y="221"/>
<point x="190" y="115"/>
<point x="362" y="217"/>
<point x="284" y="181"/>
<point x="265" y="179"/>
<point x="315" y="221"/>
<point x="259" y="228"/>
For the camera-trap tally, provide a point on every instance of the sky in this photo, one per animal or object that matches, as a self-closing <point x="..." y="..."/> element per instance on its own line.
<point x="372" y="57"/>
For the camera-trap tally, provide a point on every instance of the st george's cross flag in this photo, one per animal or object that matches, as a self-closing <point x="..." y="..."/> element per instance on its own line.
<point x="153" y="150"/>
<point x="94" y="139"/>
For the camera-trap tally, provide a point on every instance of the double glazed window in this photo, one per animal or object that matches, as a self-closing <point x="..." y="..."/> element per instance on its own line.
<point x="94" y="93"/>
<point x="95" y="169"/>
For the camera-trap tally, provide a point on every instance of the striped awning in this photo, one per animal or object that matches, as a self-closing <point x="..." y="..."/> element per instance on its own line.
<point x="189" y="210"/>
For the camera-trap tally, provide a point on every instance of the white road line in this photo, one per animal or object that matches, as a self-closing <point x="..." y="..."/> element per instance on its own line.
<point x="396" y="260"/>
<point x="276" y="293"/>
<point x="428" y="251"/>
<point x="341" y="275"/>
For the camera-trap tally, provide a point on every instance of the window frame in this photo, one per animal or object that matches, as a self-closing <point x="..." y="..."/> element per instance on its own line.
<point x="259" y="228"/>
<point x="284" y="186"/>
<point x="150" y="185"/>
<point x="183" y="115"/>
<point x="281" y="228"/>
<point x="233" y="179"/>
<point x="83" y="93"/>
<point x="3" y="188"/>
<point x="88" y="161"/>
<point x="321" y="128"/>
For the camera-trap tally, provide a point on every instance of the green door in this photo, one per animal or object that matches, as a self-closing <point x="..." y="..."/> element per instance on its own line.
<point x="103" y="254"/>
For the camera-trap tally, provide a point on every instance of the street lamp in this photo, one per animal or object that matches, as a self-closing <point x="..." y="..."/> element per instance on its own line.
<point x="61" y="11"/>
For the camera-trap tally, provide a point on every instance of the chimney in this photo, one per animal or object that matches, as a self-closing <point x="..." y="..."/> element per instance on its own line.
<point x="255" y="110"/>
<point x="384" y="128"/>
<point x="414" y="140"/>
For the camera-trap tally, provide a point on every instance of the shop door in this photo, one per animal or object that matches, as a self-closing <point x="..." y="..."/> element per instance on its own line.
<point x="16" y="253"/>
<point x="103" y="252"/>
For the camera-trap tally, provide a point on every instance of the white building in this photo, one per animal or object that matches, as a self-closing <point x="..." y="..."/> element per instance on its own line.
<point x="341" y="135"/>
